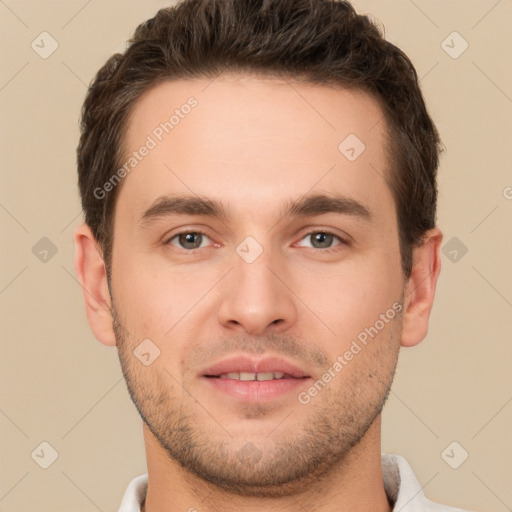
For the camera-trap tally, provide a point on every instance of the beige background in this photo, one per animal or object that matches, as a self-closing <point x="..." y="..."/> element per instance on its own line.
<point x="59" y="385"/>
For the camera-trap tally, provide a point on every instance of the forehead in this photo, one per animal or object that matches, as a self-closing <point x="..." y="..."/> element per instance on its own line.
<point x="250" y="140"/>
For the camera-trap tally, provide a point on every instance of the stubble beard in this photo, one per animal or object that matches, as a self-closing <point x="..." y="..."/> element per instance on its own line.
<point x="313" y="441"/>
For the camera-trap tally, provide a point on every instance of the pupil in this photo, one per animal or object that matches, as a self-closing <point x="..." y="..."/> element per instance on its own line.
<point x="187" y="240"/>
<point x="323" y="239"/>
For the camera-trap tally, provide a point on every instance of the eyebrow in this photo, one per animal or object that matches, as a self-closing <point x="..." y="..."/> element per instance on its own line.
<point x="305" y="206"/>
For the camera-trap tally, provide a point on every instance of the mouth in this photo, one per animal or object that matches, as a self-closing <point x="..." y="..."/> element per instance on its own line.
<point x="250" y="376"/>
<point x="252" y="380"/>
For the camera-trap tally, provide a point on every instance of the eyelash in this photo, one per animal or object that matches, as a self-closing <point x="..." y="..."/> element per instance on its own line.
<point x="325" y="232"/>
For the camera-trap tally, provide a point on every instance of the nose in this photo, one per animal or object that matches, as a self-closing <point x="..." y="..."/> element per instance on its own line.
<point x="256" y="298"/>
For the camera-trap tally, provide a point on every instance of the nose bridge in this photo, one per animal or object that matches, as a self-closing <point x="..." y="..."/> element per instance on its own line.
<point x="256" y="297"/>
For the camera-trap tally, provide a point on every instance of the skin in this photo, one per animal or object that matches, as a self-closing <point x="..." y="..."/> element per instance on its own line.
<point x="254" y="143"/>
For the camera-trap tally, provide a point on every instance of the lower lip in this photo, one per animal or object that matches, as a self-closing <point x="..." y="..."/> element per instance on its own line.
<point x="257" y="390"/>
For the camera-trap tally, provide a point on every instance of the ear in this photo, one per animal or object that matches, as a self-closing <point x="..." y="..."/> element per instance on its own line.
<point x="91" y="271"/>
<point x="420" y="288"/>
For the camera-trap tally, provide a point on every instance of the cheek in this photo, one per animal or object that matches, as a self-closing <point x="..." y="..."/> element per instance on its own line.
<point x="352" y="297"/>
<point x="155" y="298"/>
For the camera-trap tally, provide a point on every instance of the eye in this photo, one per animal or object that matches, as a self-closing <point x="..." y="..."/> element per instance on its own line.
<point x="188" y="240"/>
<point x="322" y="240"/>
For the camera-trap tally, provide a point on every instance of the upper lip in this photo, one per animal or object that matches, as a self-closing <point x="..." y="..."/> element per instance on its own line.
<point x="242" y="363"/>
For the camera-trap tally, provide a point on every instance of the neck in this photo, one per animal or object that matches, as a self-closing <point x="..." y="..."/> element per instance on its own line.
<point x="354" y="484"/>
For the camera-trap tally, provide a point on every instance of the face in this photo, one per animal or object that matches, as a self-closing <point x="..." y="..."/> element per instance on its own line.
<point x="256" y="276"/>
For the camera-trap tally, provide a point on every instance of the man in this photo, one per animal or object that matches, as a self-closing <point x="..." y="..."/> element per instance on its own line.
<point x="259" y="186"/>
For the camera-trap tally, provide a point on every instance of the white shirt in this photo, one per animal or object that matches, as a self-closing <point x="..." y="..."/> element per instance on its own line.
<point x="400" y="483"/>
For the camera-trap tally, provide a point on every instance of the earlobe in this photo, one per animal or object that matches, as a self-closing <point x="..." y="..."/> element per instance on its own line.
<point x="421" y="287"/>
<point x="91" y="273"/>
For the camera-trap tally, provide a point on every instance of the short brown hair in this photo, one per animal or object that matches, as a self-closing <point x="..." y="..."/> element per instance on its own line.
<point x="314" y="41"/>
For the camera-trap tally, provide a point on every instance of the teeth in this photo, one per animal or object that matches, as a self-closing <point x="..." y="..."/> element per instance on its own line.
<point x="247" y="376"/>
